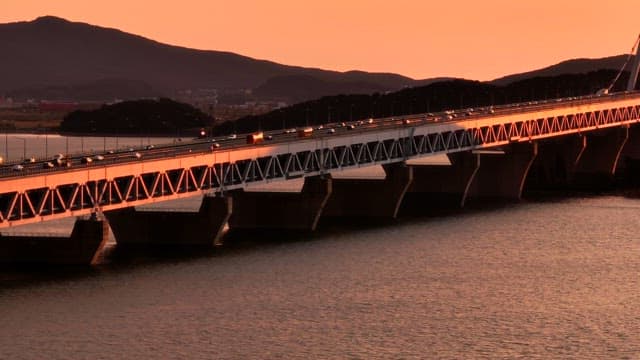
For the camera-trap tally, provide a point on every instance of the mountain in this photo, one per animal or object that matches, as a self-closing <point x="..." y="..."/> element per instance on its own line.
<point x="53" y="52"/>
<point x="55" y="59"/>
<point x="574" y="66"/>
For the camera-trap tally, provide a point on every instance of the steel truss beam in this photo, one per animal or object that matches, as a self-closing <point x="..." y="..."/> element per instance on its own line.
<point x="382" y="147"/>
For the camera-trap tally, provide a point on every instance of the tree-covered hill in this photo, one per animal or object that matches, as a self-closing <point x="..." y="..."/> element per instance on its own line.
<point x="431" y="98"/>
<point x="162" y="116"/>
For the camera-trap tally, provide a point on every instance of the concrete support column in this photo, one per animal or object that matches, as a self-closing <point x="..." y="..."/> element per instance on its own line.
<point x="628" y="169"/>
<point x="436" y="188"/>
<point x="596" y="167"/>
<point x="362" y="198"/>
<point x="83" y="247"/>
<point x="146" y="227"/>
<point x="281" y="210"/>
<point x="501" y="176"/>
<point x="556" y="163"/>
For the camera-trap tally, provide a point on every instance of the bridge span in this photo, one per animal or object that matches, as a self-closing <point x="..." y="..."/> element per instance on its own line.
<point x="494" y="152"/>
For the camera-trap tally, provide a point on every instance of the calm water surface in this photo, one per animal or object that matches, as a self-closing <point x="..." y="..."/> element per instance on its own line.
<point x="547" y="280"/>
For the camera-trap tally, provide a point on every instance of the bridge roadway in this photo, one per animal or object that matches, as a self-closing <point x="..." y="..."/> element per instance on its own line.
<point x="189" y="168"/>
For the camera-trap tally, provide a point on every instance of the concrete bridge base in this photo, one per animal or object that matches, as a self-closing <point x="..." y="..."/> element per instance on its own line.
<point x="578" y="162"/>
<point x="202" y="228"/>
<point x="83" y="247"/>
<point x="369" y="198"/>
<point x="478" y="176"/>
<point x="555" y="164"/>
<point x="440" y="188"/>
<point x="281" y="210"/>
<point x="501" y="177"/>
<point x="628" y="169"/>
<point x="597" y="165"/>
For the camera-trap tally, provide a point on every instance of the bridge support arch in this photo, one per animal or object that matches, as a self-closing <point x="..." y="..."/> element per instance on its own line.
<point x="555" y="165"/>
<point x="132" y="227"/>
<point x="82" y="247"/>
<point x="596" y="167"/>
<point x="501" y="175"/>
<point x="262" y="210"/>
<point x="367" y="198"/>
<point x="437" y="188"/>
<point x="578" y="162"/>
<point x="628" y="169"/>
<point x="495" y="175"/>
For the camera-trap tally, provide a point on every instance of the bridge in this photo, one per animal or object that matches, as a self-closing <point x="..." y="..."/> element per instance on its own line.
<point x="493" y="151"/>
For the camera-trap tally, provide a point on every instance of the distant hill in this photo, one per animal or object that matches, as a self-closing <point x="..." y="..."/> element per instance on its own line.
<point x="137" y="117"/>
<point x="575" y="66"/>
<point x="438" y="96"/>
<point x="51" y="52"/>
<point x="52" y="58"/>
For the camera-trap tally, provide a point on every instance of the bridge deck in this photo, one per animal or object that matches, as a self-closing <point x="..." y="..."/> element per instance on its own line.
<point x="171" y="172"/>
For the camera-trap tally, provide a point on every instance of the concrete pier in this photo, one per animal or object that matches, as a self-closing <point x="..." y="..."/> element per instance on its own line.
<point x="169" y="228"/>
<point x="365" y="198"/>
<point x="628" y="168"/>
<point x="596" y="167"/>
<point x="83" y="247"/>
<point x="494" y="175"/>
<point x="281" y="210"/>
<point x="555" y="165"/>
<point x="501" y="176"/>
<point x="437" y="188"/>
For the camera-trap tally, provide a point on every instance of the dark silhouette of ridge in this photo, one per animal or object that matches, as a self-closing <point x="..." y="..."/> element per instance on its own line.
<point x="51" y="51"/>
<point x="574" y="66"/>
<point x="52" y="58"/>
<point x="435" y="97"/>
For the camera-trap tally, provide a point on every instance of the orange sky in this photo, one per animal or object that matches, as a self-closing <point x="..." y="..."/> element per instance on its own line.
<point x="474" y="39"/>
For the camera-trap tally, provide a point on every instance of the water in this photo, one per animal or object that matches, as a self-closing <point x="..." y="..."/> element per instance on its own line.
<point x="42" y="146"/>
<point x="547" y="280"/>
<point x="537" y="280"/>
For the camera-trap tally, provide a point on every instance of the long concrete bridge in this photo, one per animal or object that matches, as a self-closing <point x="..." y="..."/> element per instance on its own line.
<point x="494" y="153"/>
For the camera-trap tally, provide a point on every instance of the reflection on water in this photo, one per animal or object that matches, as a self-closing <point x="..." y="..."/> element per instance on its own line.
<point x="536" y="280"/>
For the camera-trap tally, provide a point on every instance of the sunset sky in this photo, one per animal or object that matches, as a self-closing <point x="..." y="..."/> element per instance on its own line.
<point x="472" y="39"/>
